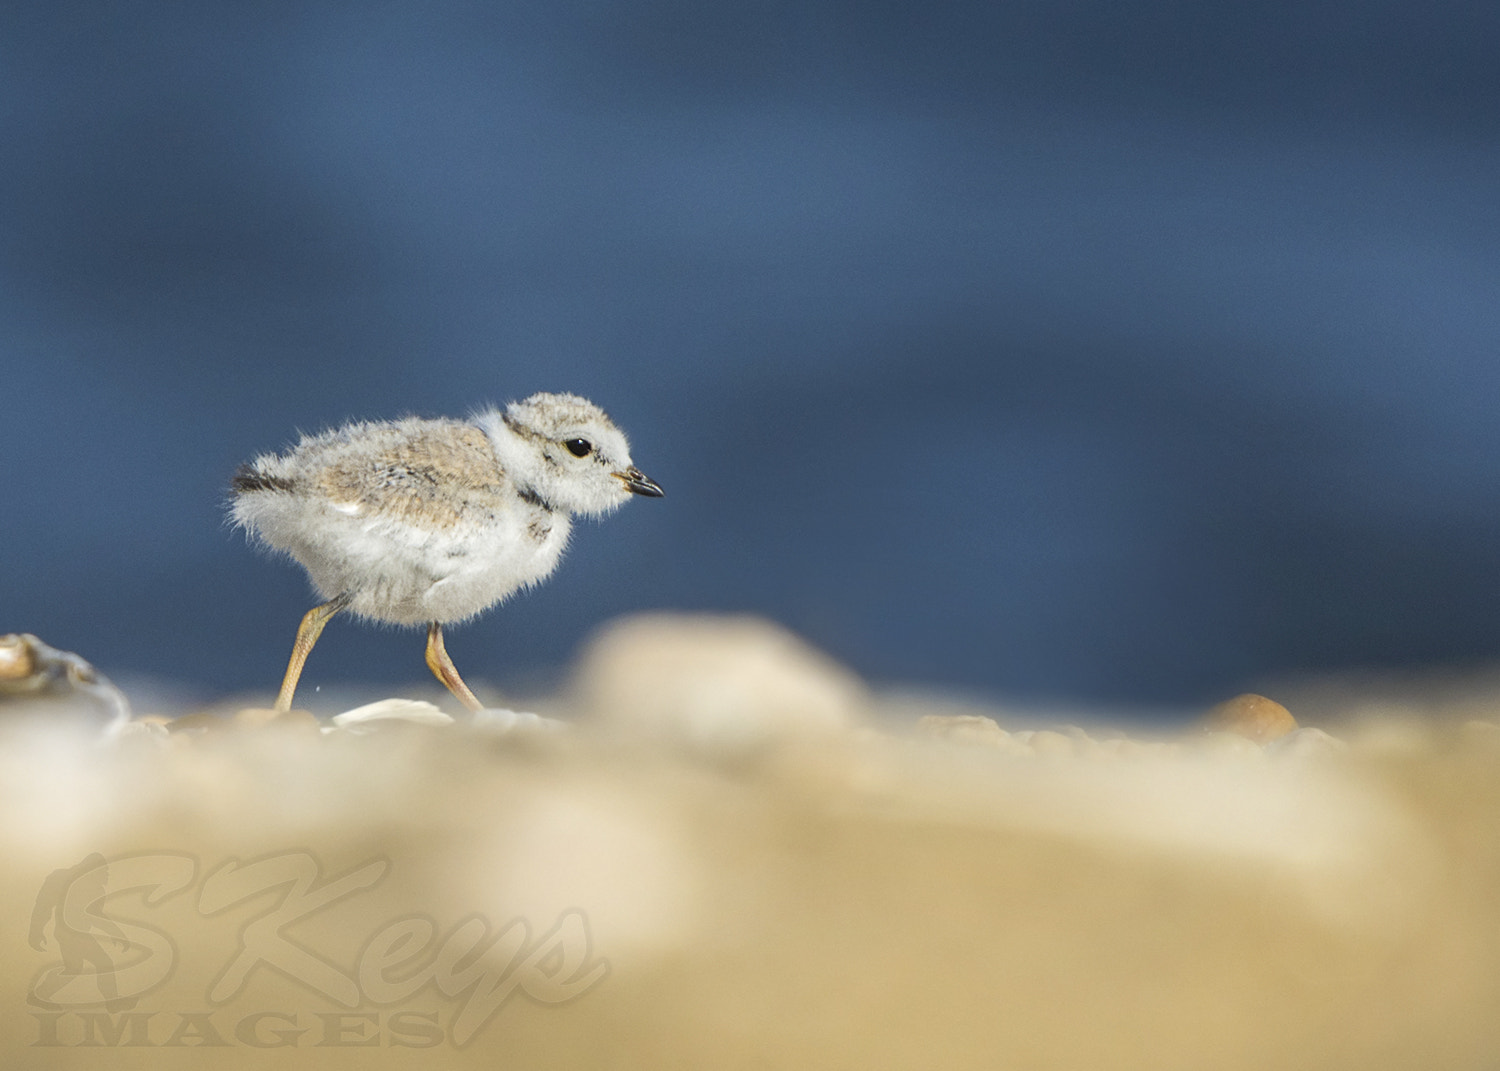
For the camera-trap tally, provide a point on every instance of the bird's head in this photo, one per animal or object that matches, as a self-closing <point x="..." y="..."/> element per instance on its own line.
<point x="572" y="456"/>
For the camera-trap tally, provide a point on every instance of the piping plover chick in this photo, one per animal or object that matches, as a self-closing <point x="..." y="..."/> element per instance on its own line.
<point x="434" y="521"/>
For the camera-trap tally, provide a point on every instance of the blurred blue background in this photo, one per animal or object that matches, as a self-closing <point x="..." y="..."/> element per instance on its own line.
<point x="1089" y="351"/>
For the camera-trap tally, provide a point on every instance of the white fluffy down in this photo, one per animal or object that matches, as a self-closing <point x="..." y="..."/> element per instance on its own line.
<point x="409" y="573"/>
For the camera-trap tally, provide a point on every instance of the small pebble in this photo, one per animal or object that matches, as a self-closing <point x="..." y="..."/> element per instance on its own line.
<point x="1083" y="743"/>
<point x="1252" y="716"/>
<point x="1391" y="730"/>
<point x="16" y="660"/>
<point x="1223" y="743"/>
<point x="39" y="679"/>
<point x="1301" y="743"/>
<point x="409" y="711"/>
<point x="963" y="728"/>
<point x="198" y="723"/>
<point x="151" y="725"/>
<point x="267" y="718"/>
<point x="1047" y="742"/>
<point x="724" y="686"/>
<point x="501" y="720"/>
<point x="1122" y="747"/>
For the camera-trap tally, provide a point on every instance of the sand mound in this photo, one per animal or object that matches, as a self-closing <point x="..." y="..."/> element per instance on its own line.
<point x="688" y="878"/>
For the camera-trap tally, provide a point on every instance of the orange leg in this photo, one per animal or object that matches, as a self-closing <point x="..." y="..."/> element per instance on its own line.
<point x="307" y="635"/>
<point x="444" y="670"/>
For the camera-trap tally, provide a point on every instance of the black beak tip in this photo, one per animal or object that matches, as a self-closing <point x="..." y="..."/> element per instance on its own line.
<point x="640" y="483"/>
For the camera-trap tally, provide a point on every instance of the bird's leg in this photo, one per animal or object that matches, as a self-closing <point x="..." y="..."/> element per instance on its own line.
<point x="444" y="670"/>
<point x="307" y="635"/>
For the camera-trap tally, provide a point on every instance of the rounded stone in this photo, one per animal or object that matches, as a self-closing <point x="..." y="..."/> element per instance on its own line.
<point x="963" y="728"/>
<point x="1301" y="743"/>
<point x="1252" y="716"/>
<point x="719" y="681"/>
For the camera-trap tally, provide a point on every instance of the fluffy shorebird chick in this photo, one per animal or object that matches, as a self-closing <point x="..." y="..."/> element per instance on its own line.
<point x="434" y="521"/>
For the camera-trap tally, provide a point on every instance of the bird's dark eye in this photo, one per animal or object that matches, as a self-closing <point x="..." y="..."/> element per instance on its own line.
<point x="579" y="447"/>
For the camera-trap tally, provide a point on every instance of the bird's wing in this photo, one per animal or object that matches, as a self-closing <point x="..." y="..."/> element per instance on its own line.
<point x="433" y="475"/>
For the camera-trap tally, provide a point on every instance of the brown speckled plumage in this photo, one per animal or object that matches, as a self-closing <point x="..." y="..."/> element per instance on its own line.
<point x="433" y="476"/>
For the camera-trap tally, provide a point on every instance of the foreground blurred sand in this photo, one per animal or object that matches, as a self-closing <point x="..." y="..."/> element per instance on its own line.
<point x="780" y="874"/>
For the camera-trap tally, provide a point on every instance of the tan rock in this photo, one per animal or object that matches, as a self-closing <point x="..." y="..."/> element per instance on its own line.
<point x="1083" y="743"/>
<point x="16" y="659"/>
<point x="1392" y="729"/>
<point x="149" y="725"/>
<point x="247" y="718"/>
<point x="198" y="723"/>
<point x="963" y="728"/>
<point x="1048" y="742"/>
<point x="722" y="682"/>
<point x="1227" y="744"/>
<point x="265" y="718"/>
<point x="1305" y="742"/>
<point x="1252" y="716"/>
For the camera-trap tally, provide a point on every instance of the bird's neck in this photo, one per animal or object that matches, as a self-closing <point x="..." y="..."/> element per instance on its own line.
<point x="517" y="456"/>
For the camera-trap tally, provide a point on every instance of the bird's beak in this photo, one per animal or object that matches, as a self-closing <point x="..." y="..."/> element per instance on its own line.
<point x="639" y="482"/>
